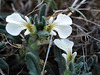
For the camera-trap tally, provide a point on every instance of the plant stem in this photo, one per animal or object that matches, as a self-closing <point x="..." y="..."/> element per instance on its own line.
<point x="47" y="55"/>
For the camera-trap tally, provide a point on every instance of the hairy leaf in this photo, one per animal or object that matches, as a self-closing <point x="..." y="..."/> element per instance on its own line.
<point x="71" y="68"/>
<point x="33" y="63"/>
<point x="60" y="60"/>
<point x="80" y="59"/>
<point x="52" y="3"/>
<point x="42" y="11"/>
<point x="44" y="20"/>
<point x="36" y="20"/>
<point x="89" y="63"/>
<point x="31" y="20"/>
<point x="78" y="67"/>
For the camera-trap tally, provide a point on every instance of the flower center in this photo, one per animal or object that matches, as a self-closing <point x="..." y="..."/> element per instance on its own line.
<point x="49" y="27"/>
<point x="30" y="27"/>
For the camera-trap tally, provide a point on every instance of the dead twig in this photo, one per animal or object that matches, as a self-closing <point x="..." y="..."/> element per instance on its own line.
<point x="35" y="8"/>
<point x="79" y="27"/>
<point x="1" y="72"/>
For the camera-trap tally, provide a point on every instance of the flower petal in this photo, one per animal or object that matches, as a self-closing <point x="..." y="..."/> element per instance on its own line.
<point x="63" y="19"/>
<point x="14" y="29"/>
<point x="15" y="18"/>
<point x="27" y="32"/>
<point x="60" y="44"/>
<point x="50" y="20"/>
<point x="63" y="31"/>
<point x="65" y="56"/>
<point x="64" y="44"/>
<point x="74" y="55"/>
<point x="53" y="33"/>
<point x="28" y="20"/>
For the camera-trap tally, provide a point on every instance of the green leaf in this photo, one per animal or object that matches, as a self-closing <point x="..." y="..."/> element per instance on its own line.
<point x="31" y="20"/>
<point x="32" y="39"/>
<point x="85" y="67"/>
<point x="78" y="67"/>
<point x="3" y="64"/>
<point x="2" y="26"/>
<point x="80" y="59"/>
<point x="89" y="63"/>
<point x="52" y="4"/>
<point x="44" y="20"/>
<point x="66" y="72"/>
<point x="78" y="12"/>
<point x="71" y="68"/>
<point x="42" y="11"/>
<point x="89" y="73"/>
<point x="36" y="20"/>
<point x="2" y="44"/>
<point x="2" y="31"/>
<point x="15" y="39"/>
<point x="34" y="46"/>
<point x="33" y="63"/>
<point x="60" y="60"/>
<point x="95" y="58"/>
<point x="43" y="34"/>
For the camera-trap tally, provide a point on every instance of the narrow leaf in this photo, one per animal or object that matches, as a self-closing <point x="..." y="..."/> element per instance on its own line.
<point x="90" y="63"/>
<point x="44" y="20"/>
<point x="31" y="20"/>
<point x="80" y="59"/>
<point x="36" y="20"/>
<point x="78" y="12"/>
<point x="52" y="3"/>
<point x="42" y="11"/>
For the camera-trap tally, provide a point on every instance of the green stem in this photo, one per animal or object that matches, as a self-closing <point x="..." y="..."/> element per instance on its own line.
<point x="66" y="72"/>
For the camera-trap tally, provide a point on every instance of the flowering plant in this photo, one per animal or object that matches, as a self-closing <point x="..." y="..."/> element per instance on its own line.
<point x="38" y="40"/>
<point x="38" y="33"/>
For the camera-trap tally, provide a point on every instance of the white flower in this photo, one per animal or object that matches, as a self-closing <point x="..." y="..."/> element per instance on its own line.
<point x="61" y="25"/>
<point x="70" y="57"/>
<point x="66" y="45"/>
<point x="16" y="24"/>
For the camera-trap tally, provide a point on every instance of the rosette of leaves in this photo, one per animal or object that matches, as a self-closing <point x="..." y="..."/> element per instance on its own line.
<point x="40" y="21"/>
